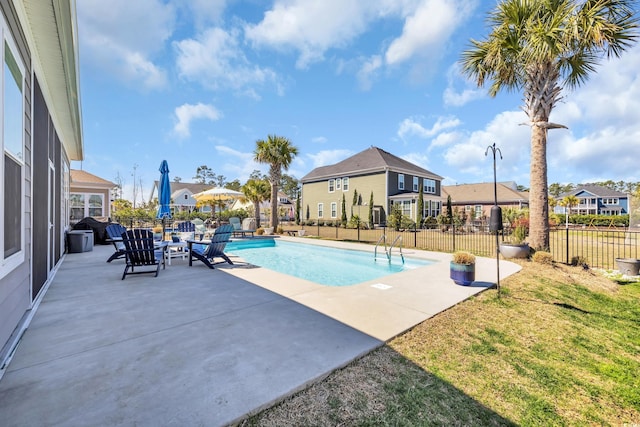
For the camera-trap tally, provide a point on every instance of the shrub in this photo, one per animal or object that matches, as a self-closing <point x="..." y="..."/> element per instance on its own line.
<point x="462" y="257"/>
<point x="279" y="230"/>
<point x="260" y="231"/>
<point x="578" y="260"/>
<point x="542" y="257"/>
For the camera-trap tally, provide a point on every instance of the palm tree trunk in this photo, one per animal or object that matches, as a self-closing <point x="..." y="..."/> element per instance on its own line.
<point x="274" y="205"/>
<point x="538" y="197"/>
<point x="256" y="204"/>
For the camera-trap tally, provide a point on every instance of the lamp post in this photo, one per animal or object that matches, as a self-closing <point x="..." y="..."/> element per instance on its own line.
<point x="495" y="221"/>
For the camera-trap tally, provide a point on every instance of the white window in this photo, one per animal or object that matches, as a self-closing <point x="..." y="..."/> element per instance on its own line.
<point x="338" y="182"/>
<point x="13" y="168"/>
<point x="478" y="209"/>
<point x="405" y="205"/>
<point x="320" y="210"/>
<point x="429" y="186"/>
<point x="467" y="208"/>
<point x="332" y="183"/>
<point x="83" y="205"/>
<point x="416" y="183"/>
<point x="345" y="184"/>
<point x="400" y="181"/>
<point x="435" y="208"/>
<point x="334" y="210"/>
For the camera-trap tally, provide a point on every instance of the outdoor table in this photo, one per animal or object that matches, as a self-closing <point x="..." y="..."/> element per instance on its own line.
<point x="175" y="250"/>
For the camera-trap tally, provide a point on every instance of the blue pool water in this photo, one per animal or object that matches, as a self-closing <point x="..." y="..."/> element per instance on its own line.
<point x="319" y="264"/>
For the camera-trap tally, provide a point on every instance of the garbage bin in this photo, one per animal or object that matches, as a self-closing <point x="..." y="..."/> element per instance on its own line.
<point x="80" y="241"/>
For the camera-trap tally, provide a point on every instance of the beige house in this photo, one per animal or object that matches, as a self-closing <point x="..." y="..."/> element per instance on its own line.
<point x="89" y="195"/>
<point x="479" y="198"/>
<point x="389" y="178"/>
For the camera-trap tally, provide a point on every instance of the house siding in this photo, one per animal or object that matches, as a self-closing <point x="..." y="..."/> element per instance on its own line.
<point x="15" y="287"/>
<point x="318" y="192"/>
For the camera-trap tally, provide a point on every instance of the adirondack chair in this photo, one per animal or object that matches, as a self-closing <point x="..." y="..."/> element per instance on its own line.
<point x="215" y="248"/>
<point x="114" y="232"/>
<point x="140" y="251"/>
<point x="237" y="227"/>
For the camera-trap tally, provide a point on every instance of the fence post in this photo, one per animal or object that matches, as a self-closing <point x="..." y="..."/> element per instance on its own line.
<point x="567" y="243"/>
<point x="415" y="235"/>
<point x="453" y="236"/>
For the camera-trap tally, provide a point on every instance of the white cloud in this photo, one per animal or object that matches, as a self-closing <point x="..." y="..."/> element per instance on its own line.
<point x="368" y="70"/>
<point x="319" y="140"/>
<point x="215" y="60"/>
<point x="239" y="164"/>
<point x="428" y="28"/>
<point x="311" y="27"/>
<point x="412" y="127"/>
<point x="186" y="113"/>
<point x="205" y="11"/>
<point x="123" y="37"/>
<point x="328" y="157"/>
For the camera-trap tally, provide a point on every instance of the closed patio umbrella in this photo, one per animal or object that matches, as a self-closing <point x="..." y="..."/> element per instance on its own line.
<point x="164" y="195"/>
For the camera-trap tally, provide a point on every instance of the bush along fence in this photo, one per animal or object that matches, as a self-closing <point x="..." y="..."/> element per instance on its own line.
<point x="595" y="247"/>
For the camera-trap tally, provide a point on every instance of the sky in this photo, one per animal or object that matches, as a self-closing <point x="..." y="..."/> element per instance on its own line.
<point x="198" y="82"/>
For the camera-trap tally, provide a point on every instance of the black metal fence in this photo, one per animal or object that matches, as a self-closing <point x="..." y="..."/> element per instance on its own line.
<point x="597" y="247"/>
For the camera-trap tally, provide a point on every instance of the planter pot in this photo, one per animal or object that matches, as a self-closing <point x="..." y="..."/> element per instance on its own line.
<point x="301" y="233"/>
<point x="628" y="266"/>
<point x="514" y="250"/>
<point x="268" y="230"/>
<point x="462" y="274"/>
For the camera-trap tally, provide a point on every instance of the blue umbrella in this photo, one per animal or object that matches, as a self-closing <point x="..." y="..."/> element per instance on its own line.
<point x="164" y="195"/>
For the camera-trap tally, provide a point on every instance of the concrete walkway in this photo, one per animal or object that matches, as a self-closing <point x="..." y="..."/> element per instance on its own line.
<point x="196" y="346"/>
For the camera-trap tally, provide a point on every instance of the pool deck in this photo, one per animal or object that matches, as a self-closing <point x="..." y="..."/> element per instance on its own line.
<point x="196" y="346"/>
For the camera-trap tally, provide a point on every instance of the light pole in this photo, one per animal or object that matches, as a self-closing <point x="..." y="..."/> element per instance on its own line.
<point x="495" y="221"/>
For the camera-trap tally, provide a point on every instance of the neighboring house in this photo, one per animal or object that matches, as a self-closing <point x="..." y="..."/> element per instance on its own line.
<point x="285" y="206"/>
<point x="182" y="196"/>
<point x="479" y="198"/>
<point x="41" y="135"/>
<point x="596" y="200"/>
<point x="391" y="179"/>
<point x="89" y="195"/>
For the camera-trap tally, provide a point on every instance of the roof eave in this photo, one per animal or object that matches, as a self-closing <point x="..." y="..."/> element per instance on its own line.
<point x="51" y="30"/>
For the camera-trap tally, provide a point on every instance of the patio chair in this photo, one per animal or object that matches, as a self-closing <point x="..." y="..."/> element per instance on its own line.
<point x="213" y="249"/>
<point x="141" y="251"/>
<point x="237" y="227"/>
<point x="114" y="233"/>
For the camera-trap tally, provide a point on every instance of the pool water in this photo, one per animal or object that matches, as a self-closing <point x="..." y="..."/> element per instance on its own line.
<point x="320" y="264"/>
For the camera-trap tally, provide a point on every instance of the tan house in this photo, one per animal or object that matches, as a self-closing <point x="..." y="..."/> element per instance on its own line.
<point x="479" y="198"/>
<point x="89" y="195"/>
<point x="392" y="180"/>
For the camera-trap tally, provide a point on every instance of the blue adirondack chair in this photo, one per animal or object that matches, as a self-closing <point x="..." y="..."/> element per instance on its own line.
<point x="215" y="248"/>
<point x="114" y="231"/>
<point x="140" y="251"/>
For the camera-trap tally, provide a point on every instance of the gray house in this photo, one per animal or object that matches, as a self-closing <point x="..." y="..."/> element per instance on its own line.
<point x="389" y="178"/>
<point x="42" y="133"/>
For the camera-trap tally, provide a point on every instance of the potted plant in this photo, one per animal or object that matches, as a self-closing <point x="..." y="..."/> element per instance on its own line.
<point x="157" y="232"/>
<point x="628" y="266"/>
<point x="462" y="269"/>
<point x="516" y="247"/>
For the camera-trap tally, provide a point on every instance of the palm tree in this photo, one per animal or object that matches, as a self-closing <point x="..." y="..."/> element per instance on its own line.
<point x="278" y="152"/>
<point x="568" y="202"/>
<point x="256" y="191"/>
<point x="540" y="46"/>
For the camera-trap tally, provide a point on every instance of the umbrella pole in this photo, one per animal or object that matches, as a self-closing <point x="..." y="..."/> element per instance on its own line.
<point x="163" y="227"/>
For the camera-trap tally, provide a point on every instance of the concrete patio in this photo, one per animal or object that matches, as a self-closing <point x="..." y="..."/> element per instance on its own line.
<point x="196" y="346"/>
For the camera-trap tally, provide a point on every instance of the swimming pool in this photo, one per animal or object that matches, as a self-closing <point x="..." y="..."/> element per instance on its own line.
<point x="320" y="264"/>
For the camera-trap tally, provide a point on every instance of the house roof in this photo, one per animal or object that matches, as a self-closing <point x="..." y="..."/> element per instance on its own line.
<point x="596" y="190"/>
<point x="483" y="193"/>
<point x="371" y="160"/>
<point x="177" y="187"/>
<point x="81" y="178"/>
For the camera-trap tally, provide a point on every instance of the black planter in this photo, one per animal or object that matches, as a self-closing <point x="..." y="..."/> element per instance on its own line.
<point x="462" y="274"/>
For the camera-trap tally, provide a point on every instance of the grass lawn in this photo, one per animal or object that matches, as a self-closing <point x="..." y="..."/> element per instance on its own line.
<point x="561" y="347"/>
